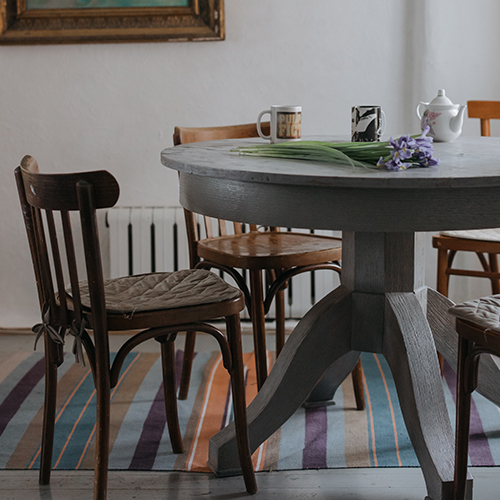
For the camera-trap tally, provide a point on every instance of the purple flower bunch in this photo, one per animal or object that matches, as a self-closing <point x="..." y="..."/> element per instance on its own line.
<point x="409" y="152"/>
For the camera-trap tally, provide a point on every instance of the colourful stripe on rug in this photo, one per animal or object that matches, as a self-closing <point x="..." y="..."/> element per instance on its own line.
<point x="335" y="436"/>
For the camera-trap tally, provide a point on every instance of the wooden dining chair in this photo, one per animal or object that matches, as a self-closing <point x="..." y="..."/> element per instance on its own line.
<point x="478" y="328"/>
<point x="157" y="304"/>
<point x="485" y="243"/>
<point x="280" y="254"/>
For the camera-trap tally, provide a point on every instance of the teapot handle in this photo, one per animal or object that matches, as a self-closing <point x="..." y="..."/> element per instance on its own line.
<point x="418" y="109"/>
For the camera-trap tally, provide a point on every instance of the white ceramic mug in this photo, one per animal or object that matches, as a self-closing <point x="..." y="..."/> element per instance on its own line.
<point x="286" y="123"/>
<point x="367" y="123"/>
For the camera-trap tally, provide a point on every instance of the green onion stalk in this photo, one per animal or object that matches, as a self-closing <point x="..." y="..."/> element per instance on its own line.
<point x="407" y="151"/>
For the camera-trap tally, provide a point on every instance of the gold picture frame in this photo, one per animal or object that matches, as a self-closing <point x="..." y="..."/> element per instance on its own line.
<point x="100" y="21"/>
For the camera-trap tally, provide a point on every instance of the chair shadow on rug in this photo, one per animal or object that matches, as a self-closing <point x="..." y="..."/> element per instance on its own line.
<point x="157" y="304"/>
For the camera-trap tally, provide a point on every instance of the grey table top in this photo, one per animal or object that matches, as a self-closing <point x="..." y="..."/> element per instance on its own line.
<point x="466" y="162"/>
<point x="462" y="192"/>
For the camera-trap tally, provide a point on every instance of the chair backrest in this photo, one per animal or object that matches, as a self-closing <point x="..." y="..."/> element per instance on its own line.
<point x="484" y="110"/>
<point x="41" y="195"/>
<point x="186" y="135"/>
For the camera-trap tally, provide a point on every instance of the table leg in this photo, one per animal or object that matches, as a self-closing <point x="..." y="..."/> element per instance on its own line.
<point x="320" y="339"/>
<point x="411" y="354"/>
<point x="323" y="393"/>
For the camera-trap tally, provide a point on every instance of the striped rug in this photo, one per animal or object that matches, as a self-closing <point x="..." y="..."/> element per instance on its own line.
<point x="332" y="437"/>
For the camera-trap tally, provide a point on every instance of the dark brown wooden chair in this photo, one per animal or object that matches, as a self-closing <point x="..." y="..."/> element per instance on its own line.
<point x="281" y="254"/>
<point x="478" y="327"/>
<point x="485" y="242"/>
<point x="157" y="304"/>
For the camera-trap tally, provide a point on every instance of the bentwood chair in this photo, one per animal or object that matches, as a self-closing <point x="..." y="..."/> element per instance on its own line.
<point x="281" y="254"/>
<point x="478" y="327"/>
<point x="157" y="304"/>
<point x="484" y="242"/>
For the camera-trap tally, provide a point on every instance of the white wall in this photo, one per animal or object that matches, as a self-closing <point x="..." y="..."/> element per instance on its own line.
<point x="83" y="107"/>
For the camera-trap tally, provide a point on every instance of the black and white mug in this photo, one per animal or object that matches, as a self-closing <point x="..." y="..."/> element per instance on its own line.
<point x="286" y="123"/>
<point x="367" y="123"/>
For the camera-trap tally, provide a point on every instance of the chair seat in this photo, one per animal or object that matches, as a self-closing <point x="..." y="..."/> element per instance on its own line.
<point x="484" y="312"/>
<point x="476" y="234"/>
<point x="159" y="291"/>
<point x="270" y="250"/>
<point x="447" y="242"/>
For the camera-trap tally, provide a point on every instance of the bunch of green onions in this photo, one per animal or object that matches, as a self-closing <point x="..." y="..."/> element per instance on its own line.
<point x="406" y="152"/>
<point x="355" y="154"/>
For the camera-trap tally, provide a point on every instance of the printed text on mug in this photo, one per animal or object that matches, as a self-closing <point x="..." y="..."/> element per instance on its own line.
<point x="289" y="125"/>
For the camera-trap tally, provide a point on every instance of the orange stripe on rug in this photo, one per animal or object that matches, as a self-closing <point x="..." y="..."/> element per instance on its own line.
<point x="391" y="408"/>
<point x="215" y="395"/>
<point x="192" y="425"/>
<point x="208" y="421"/>
<point x="370" y="411"/>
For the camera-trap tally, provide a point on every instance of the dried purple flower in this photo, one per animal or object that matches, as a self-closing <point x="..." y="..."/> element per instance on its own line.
<point x="409" y="152"/>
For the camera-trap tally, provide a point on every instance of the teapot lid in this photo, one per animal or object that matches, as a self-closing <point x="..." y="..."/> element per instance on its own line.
<point x="441" y="100"/>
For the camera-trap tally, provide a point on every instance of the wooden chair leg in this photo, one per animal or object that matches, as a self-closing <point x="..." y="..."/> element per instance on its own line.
<point x="442" y="287"/>
<point x="495" y="283"/>
<point x="102" y="434"/>
<point x="442" y="276"/>
<point x="462" y="422"/>
<point x="49" y="410"/>
<point x="187" y="365"/>
<point x="357" y="382"/>
<point x="280" y="321"/>
<point x="168" y="365"/>
<point x="239" y="402"/>
<point x="258" y="325"/>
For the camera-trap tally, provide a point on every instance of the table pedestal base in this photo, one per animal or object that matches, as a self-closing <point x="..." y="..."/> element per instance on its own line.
<point x="386" y="313"/>
<point x="323" y="336"/>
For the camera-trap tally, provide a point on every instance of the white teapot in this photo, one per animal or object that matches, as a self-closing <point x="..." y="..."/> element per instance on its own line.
<point x="444" y="118"/>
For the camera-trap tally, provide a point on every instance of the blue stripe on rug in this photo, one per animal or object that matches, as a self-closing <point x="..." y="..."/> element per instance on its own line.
<point x="390" y="445"/>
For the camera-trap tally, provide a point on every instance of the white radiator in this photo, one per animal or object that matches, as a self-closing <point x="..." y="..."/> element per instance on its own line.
<point x="148" y="239"/>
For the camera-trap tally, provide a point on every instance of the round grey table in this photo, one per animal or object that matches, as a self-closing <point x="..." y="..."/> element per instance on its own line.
<point x="382" y="305"/>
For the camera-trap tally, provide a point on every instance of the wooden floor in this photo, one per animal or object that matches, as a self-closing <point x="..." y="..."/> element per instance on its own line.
<point x="339" y="484"/>
<point x="347" y="484"/>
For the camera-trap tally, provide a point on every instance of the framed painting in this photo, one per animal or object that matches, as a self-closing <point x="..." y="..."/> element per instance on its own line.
<point x="94" y="21"/>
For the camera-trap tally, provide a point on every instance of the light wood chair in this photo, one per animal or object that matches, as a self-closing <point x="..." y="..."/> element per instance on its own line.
<point x="478" y="329"/>
<point x="157" y="304"/>
<point x="281" y="254"/>
<point x="485" y="242"/>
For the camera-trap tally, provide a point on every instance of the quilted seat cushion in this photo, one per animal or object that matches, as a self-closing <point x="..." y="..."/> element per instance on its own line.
<point x="484" y="312"/>
<point x="476" y="234"/>
<point x="156" y="291"/>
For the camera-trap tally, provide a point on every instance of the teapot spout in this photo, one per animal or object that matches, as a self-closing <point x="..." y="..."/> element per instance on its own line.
<point x="457" y="121"/>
